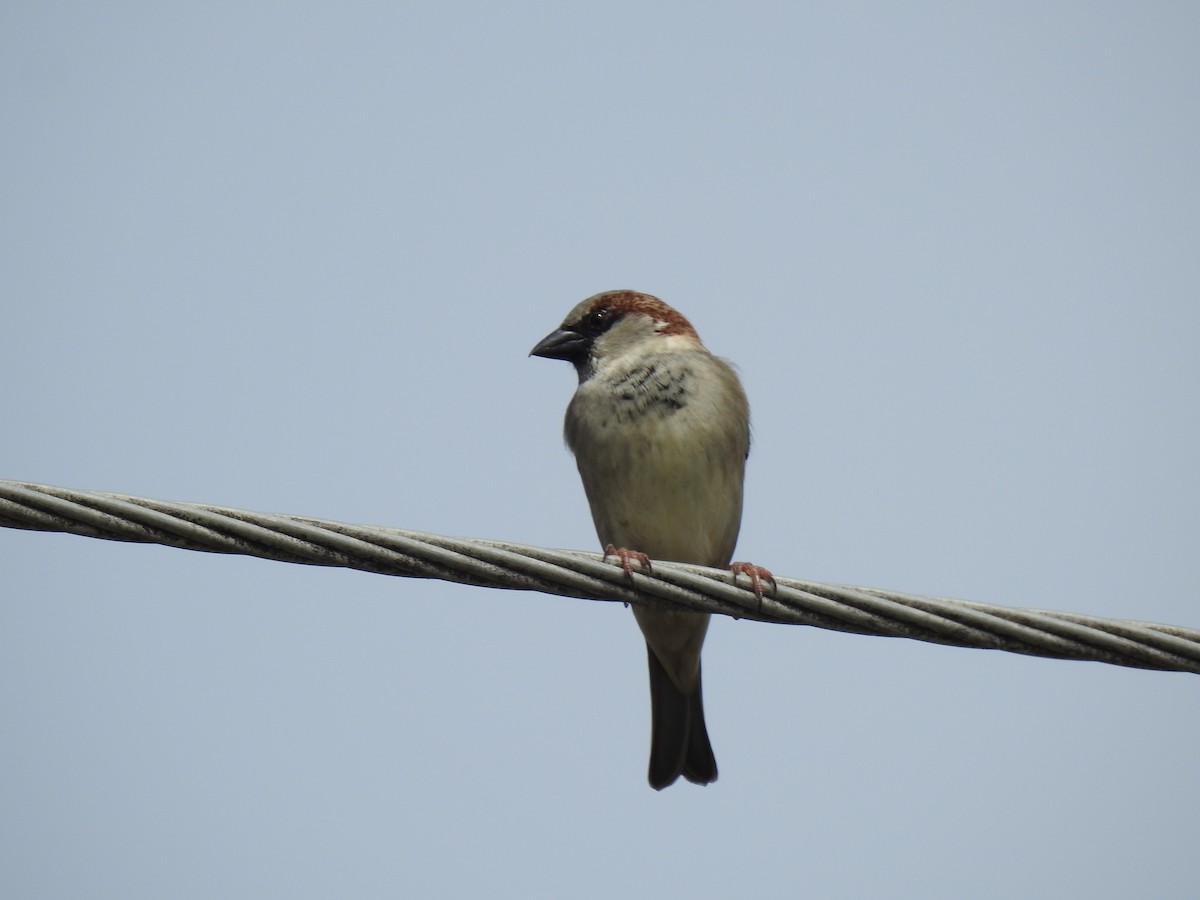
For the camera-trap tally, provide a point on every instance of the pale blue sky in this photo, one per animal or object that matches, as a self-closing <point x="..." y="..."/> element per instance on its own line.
<point x="291" y="257"/>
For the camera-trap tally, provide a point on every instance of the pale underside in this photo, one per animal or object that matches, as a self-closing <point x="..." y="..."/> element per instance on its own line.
<point x="663" y="468"/>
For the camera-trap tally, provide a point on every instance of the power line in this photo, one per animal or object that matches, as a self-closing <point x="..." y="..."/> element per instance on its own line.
<point x="572" y="573"/>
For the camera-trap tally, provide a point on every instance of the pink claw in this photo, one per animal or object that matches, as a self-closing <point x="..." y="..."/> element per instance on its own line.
<point x="627" y="557"/>
<point x="756" y="574"/>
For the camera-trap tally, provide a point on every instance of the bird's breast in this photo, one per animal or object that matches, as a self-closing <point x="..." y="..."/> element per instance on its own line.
<point x="662" y="454"/>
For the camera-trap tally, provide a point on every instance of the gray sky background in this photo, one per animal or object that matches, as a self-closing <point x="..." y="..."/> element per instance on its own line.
<point x="291" y="258"/>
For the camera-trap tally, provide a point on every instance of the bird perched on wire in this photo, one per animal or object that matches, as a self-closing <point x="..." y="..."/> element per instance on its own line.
<point x="660" y="429"/>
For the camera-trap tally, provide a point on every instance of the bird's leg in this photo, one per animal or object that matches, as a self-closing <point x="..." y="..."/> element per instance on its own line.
<point x="756" y="574"/>
<point x="627" y="557"/>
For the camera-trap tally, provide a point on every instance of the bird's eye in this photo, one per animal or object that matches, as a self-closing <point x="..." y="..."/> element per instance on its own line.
<point x="598" y="320"/>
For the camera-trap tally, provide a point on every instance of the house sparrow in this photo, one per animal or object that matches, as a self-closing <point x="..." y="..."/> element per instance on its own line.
<point x="660" y="429"/>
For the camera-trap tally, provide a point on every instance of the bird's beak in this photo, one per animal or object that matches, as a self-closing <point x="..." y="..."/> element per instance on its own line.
<point x="561" y="344"/>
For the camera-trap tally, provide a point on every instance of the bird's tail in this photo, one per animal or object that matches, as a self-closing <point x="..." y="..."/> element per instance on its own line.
<point x="679" y="742"/>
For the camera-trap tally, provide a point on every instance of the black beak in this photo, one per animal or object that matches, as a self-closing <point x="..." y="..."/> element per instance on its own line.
<point x="562" y="344"/>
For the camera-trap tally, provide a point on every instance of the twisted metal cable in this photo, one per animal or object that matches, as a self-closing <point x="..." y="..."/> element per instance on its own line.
<point x="571" y="573"/>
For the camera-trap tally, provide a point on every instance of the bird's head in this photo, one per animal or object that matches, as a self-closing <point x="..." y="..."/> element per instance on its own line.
<point x="613" y="324"/>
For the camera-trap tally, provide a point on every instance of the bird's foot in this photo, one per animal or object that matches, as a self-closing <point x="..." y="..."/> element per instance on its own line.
<point x="627" y="558"/>
<point x="756" y="574"/>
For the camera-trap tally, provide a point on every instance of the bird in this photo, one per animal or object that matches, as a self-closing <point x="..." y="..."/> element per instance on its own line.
<point x="660" y="430"/>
